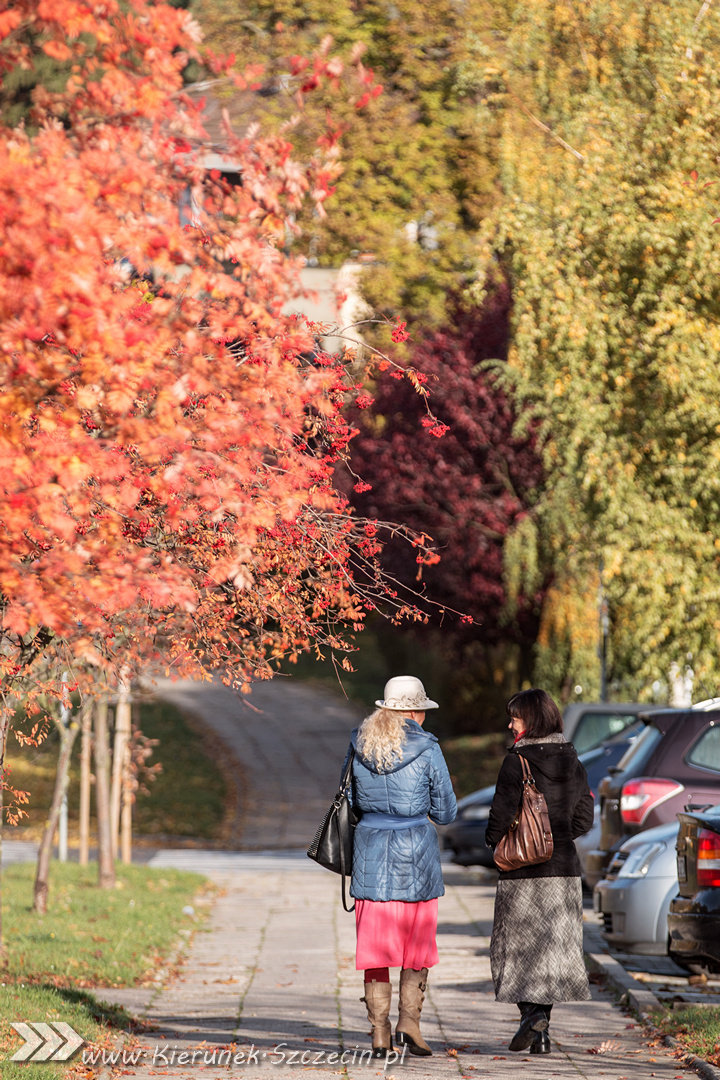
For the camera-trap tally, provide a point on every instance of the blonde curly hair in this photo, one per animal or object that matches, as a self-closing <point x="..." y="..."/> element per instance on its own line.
<point x="381" y="737"/>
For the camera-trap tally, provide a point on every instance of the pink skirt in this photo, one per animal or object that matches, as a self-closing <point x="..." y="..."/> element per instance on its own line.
<point x="393" y="933"/>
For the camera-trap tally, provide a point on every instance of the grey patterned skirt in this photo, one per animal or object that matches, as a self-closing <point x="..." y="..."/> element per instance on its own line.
<point x="536" y="949"/>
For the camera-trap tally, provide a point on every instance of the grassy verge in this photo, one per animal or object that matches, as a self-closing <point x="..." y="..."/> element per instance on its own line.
<point x="697" y="1029"/>
<point x="474" y="760"/>
<point x="77" y="1008"/>
<point x="88" y="938"/>
<point x="187" y="799"/>
<point x="94" y="937"/>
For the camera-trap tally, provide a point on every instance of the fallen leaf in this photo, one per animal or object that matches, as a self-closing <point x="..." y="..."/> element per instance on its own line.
<point x="604" y="1047"/>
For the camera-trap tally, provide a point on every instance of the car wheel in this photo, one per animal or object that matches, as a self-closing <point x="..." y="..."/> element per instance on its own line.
<point x="694" y="969"/>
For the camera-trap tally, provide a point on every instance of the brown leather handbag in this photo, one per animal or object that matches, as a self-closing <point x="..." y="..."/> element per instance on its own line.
<point x="529" y="839"/>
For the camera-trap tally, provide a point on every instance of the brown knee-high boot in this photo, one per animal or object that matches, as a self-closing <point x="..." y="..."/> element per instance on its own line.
<point x="412" y="995"/>
<point x="378" y="996"/>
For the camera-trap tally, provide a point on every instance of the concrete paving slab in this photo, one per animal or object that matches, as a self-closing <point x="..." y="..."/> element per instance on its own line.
<point x="272" y="977"/>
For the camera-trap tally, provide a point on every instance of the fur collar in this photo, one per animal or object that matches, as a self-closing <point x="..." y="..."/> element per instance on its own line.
<point x="555" y="737"/>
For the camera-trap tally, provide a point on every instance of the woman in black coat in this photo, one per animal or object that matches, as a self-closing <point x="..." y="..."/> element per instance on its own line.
<point x="536" y="951"/>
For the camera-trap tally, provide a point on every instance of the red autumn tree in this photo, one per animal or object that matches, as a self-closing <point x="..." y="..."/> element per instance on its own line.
<point x="461" y="476"/>
<point x="167" y="435"/>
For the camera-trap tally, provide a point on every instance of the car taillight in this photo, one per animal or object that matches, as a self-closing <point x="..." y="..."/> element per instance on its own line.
<point x="708" y="858"/>
<point x="638" y="797"/>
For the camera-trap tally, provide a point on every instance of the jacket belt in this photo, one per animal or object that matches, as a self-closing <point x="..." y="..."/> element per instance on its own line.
<point x="391" y="821"/>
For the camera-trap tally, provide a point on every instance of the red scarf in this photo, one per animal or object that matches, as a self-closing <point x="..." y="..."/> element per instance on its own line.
<point x="518" y="737"/>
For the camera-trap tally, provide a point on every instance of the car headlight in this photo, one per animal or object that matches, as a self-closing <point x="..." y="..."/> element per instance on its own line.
<point x="475" y="813"/>
<point x="640" y="860"/>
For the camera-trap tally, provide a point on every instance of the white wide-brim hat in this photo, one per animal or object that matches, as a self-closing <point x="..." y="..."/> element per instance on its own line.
<point x="407" y="693"/>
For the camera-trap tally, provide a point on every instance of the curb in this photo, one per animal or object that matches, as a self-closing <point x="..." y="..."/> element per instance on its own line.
<point x="642" y="1000"/>
<point x="704" y="1068"/>
<point x="638" y="997"/>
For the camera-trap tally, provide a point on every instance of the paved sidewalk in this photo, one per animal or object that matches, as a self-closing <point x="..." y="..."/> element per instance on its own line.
<point x="272" y="973"/>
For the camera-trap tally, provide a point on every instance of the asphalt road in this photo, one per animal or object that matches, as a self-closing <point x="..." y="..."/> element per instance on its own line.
<point x="285" y="743"/>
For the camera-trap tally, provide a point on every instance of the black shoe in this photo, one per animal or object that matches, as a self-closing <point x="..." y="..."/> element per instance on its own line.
<point x="382" y="1051"/>
<point x="541" y="1043"/>
<point x="531" y="1023"/>
<point x="403" y="1039"/>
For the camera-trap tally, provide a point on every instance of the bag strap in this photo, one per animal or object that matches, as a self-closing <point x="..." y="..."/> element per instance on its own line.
<point x="343" y="872"/>
<point x="345" y="784"/>
<point x="346" y="778"/>
<point x="527" y="775"/>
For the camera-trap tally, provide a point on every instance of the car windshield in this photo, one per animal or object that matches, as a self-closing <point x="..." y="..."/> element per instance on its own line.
<point x="706" y="751"/>
<point x="638" y="752"/>
<point x="594" y="727"/>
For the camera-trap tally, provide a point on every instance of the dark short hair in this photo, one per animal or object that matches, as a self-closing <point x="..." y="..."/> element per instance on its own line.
<point x="538" y="712"/>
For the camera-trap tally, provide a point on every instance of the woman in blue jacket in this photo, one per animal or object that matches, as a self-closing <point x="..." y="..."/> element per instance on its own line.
<point x="400" y="779"/>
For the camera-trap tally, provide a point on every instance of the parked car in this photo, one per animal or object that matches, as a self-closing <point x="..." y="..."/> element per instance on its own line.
<point x="466" y="836"/>
<point x="694" y="919"/>
<point x="635" y="894"/>
<point x="588" y="842"/>
<point x="588" y="724"/>
<point x="673" y="762"/>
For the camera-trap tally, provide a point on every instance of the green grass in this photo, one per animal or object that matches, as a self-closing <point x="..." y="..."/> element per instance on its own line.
<point x="697" y="1029"/>
<point x="94" y="937"/>
<point x="77" y="1008"/>
<point x="474" y="760"/>
<point x="187" y="798"/>
<point x="89" y="937"/>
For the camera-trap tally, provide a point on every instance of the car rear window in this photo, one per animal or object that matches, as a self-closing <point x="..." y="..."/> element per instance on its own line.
<point x="638" y="753"/>
<point x="594" y="727"/>
<point x="706" y="751"/>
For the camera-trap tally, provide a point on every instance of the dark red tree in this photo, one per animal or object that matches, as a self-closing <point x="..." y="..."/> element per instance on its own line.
<point x="464" y="486"/>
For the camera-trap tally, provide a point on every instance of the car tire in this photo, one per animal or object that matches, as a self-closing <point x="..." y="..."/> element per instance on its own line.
<point x="693" y="969"/>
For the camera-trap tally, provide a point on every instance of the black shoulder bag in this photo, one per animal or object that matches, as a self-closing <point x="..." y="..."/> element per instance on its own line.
<point x="332" y="844"/>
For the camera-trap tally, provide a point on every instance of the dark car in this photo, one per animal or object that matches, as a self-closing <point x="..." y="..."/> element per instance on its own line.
<point x="673" y="762"/>
<point x="589" y="724"/>
<point x="694" y="919"/>
<point x="466" y="836"/>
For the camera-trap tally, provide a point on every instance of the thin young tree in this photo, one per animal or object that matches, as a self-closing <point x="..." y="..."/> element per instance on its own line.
<point x="68" y="733"/>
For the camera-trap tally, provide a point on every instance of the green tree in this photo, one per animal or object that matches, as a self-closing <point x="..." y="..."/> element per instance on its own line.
<point x="611" y="110"/>
<point x="418" y="159"/>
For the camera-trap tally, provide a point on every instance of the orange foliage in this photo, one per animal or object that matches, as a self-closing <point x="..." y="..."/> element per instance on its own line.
<point x="167" y="436"/>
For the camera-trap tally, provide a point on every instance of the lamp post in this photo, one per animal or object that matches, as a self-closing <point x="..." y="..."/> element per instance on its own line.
<point x="604" y="627"/>
<point x="65" y="711"/>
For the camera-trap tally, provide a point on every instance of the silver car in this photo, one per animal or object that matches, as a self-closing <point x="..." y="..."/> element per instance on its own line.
<point x="634" y="896"/>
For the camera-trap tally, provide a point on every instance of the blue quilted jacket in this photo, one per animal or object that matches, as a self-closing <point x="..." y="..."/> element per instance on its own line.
<point x="396" y="854"/>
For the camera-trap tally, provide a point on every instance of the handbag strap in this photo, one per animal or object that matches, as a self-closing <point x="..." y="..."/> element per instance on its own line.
<point x="345" y="785"/>
<point x="527" y="775"/>
<point x="346" y="778"/>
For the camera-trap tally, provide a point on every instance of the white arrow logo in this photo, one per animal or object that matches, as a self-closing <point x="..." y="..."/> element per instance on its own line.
<point x="47" y="1042"/>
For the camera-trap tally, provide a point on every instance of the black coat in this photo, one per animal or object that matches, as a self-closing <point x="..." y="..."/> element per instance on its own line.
<point x="563" y="781"/>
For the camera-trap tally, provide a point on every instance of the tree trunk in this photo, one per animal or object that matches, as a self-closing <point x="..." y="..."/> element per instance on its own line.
<point x="106" y="864"/>
<point x="127" y="801"/>
<point x="4" y="725"/>
<point x="119" y="800"/>
<point x="116" y="784"/>
<point x="67" y="739"/>
<point x="85" y="787"/>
